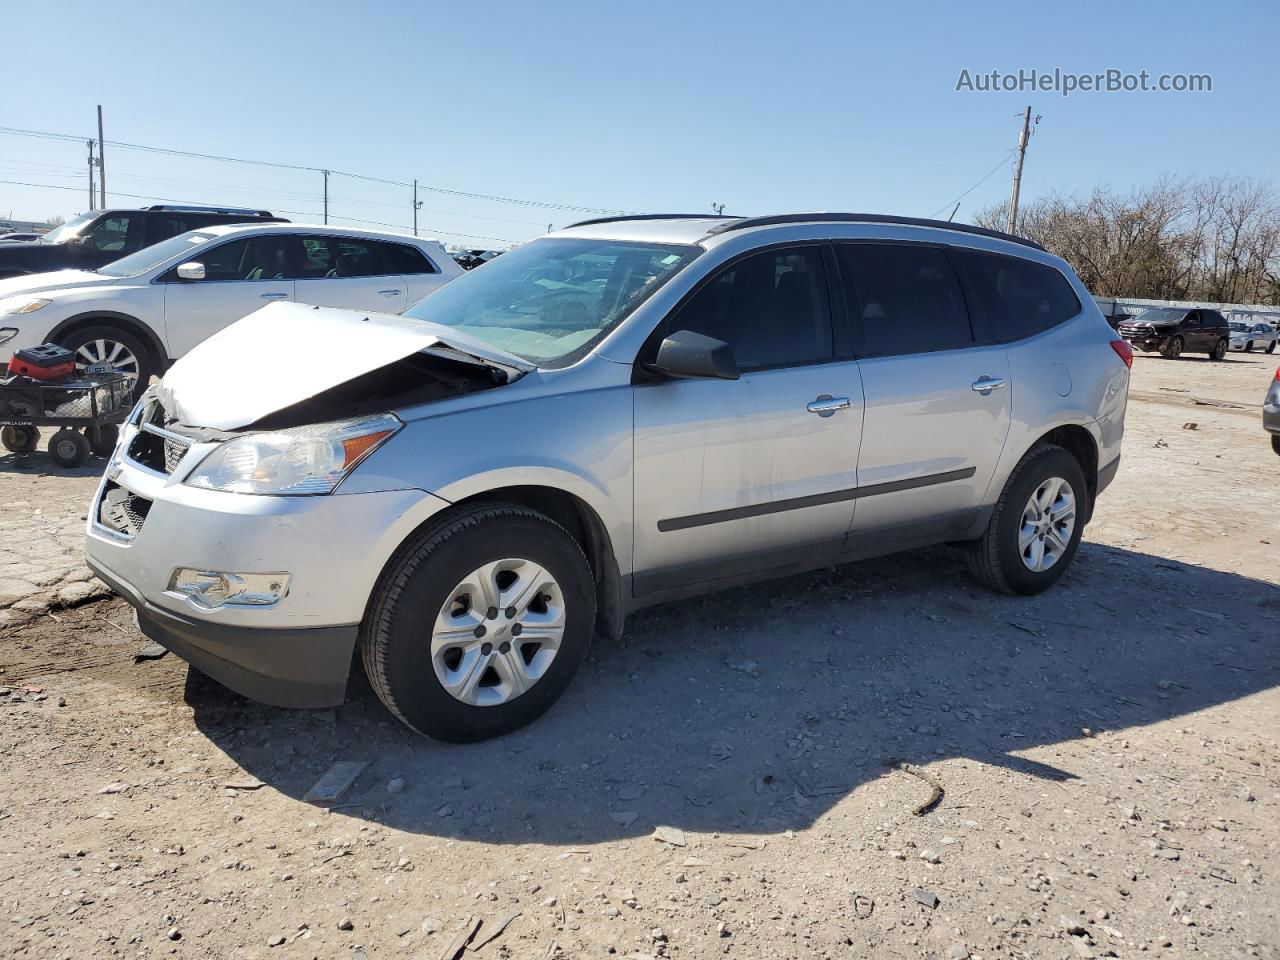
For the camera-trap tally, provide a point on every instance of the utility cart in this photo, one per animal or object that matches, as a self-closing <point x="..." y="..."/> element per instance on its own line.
<point x="86" y="410"/>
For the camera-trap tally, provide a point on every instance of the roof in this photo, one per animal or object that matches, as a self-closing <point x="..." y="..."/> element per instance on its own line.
<point x="221" y="229"/>
<point x="698" y="229"/>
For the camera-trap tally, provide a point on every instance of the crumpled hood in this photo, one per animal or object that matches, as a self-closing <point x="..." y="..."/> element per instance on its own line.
<point x="286" y="353"/>
<point x="58" y="280"/>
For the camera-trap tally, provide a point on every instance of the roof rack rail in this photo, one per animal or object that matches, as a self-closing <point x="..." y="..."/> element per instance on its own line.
<point x="202" y="208"/>
<point x="651" y="216"/>
<point x="745" y="222"/>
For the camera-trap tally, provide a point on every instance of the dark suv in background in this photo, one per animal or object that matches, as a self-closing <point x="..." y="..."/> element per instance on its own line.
<point x="1172" y="330"/>
<point x="95" y="239"/>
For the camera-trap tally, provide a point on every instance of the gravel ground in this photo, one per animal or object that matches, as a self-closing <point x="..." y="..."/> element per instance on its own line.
<point x="724" y="782"/>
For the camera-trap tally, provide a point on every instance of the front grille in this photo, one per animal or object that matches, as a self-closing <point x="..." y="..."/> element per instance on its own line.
<point x="154" y="447"/>
<point x="122" y="511"/>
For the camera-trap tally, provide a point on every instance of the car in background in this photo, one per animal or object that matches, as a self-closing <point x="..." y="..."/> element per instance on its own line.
<point x="1245" y="336"/>
<point x="1172" y="331"/>
<point x="92" y="240"/>
<point x="137" y="314"/>
<point x="470" y="259"/>
<point x="16" y="237"/>
<point x="1271" y="412"/>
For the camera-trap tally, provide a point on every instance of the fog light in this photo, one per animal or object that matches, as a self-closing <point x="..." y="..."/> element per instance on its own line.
<point x="212" y="588"/>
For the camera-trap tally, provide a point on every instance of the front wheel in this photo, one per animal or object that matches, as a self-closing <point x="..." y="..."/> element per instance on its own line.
<point x="1036" y="525"/>
<point x="479" y="622"/>
<point x="1271" y="347"/>
<point x="1248" y="347"/>
<point x="1275" y="442"/>
<point x="68" y="448"/>
<point x="111" y="350"/>
<point x="1172" y="348"/>
<point x="1219" y="350"/>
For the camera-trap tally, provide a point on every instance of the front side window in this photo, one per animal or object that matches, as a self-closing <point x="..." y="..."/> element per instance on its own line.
<point x="550" y="301"/>
<point x="250" y="258"/>
<point x="771" y="308"/>
<point x="1019" y="297"/>
<point x="110" y="234"/>
<point x="903" y="299"/>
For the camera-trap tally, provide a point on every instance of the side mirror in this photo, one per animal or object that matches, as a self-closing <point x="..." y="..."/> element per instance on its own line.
<point x="686" y="355"/>
<point x="191" y="271"/>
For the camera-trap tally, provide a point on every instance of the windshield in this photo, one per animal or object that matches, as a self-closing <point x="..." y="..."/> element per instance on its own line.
<point x="551" y="300"/>
<point x="136" y="264"/>
<point x="68" y="230"/>
<point x="1160" y="315"/>
<point x="1237" y="325"/>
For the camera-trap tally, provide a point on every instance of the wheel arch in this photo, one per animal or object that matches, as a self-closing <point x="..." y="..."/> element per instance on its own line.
<point x="132" y="324"/>
<point x="1082" y="445"/>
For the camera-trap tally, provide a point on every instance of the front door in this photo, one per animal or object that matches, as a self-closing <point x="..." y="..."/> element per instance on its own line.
<point x="937" y="402"/>
<point x="735" y="476"/>
<point x="240" y="277"/>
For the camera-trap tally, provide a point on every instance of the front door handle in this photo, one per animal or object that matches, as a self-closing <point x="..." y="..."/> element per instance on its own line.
<point x="275" y="296"/>
<point x="984" y="385"/>
<point x="826" y="405"/>
<point x="390" y="293"/>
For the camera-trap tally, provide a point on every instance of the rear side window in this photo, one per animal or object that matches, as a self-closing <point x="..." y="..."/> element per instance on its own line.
<point x="903" y="299"/>
<point x="1019" y="297"/>
<point x="336" y="258"/>
<point x="771" y="308"/>
<point x="402" y="258"/>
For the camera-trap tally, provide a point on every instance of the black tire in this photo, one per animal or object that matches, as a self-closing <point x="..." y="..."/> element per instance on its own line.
<point x="88" y="338"/>
<point x="1271" y="347"/>
<point x="68" y="448"/>
<point x="1172" y="348"/>
<point x="1219" y="351"/>
<point x="994" y="559"/>
<point x="1275" y="442"/>
<point x="1248" y="347"/>
<point x="105" y="444"/>
<point x="416" y="584"/>
<point x="19" y="439"/>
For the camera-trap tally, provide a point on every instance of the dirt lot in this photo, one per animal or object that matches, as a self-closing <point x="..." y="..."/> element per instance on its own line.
<point x="1109" y="752"/>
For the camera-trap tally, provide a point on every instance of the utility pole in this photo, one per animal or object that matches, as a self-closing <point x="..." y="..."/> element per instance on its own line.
<point x="417" y="205"/>
<point x="718" y="209"/>
<point x="92" y="197"/>
<point x="1017" y="173"/>
<point x="102" y="165"/>
<point x="326" y="195"/>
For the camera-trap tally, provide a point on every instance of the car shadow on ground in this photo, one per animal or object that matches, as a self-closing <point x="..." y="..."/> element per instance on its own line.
<point x="755" y="710"/>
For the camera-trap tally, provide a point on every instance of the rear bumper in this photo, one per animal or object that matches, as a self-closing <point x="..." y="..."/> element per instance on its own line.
<point x="1271" y="409"/>
<point x="1107" y="474"/>
<point x="295" y="667"/>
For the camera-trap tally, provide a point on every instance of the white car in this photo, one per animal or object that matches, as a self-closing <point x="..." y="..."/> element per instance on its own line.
<point x="1246" y="336"/>
<point x="136" y="315"/>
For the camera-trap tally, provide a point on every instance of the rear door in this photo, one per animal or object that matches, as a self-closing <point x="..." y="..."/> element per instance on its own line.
<point x="350" y="272"/>
<point x="421" y="274"/>
<point x="937" y="395"/>
<point x="241" y="276"/>
<point x="736" y="476"/>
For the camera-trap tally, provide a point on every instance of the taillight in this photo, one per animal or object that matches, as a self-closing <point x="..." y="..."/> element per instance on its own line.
<point x="1278" y="373"/>
<point x="1125" y="353"/>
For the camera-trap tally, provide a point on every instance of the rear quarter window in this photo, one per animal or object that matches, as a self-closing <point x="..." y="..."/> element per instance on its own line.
<point x="1019" y="298"/>
<point x="404" y="259"/>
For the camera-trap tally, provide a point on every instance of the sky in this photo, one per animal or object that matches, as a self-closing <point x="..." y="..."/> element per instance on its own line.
<point x="661" y="107"/>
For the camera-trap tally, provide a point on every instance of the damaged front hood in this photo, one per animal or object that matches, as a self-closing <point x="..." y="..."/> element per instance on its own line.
<point x="286" y="353"/>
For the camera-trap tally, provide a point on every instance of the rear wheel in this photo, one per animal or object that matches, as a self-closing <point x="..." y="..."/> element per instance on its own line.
<point x="1219" y="350"/>
<point x="114" y="349"/>
<point x="1172" y="348"/>
<point x="1248" y="347"/>
<point x="479" y="623"/>
<point x="19" y="439"/>
<point x="1036" y="525"/>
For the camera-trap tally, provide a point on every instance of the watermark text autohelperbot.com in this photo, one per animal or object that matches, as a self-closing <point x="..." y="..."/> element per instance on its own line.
<point x="1066" y="83"/>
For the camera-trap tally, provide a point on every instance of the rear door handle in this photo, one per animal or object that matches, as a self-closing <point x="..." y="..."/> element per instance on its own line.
<point x="826" y="405"/>
<point x="275" y="296"/>
<point x="390" y="293"/>
<point x="984" y="385"/>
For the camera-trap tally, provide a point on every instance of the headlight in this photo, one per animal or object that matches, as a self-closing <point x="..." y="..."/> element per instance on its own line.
<point x="307" y="460"/>
<point x="15" y="305"/>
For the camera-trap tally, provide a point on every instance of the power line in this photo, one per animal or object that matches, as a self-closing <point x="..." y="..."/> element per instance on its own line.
<point x="169" y="151"/>
<point x="296" y="213"/>
<point x="987" y="176"/>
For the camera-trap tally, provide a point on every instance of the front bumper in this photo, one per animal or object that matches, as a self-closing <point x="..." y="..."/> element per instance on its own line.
<point x="295" y="652"/>
<point x="1271" y="409"/>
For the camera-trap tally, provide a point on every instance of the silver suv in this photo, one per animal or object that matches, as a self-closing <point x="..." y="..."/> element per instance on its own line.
<point x="626" y="412"/>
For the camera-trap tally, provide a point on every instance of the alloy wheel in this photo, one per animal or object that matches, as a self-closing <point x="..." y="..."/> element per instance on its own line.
<point x="104" y="351"/>
<point x="498" y="632"/>
<point x="1048" y="521"/>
